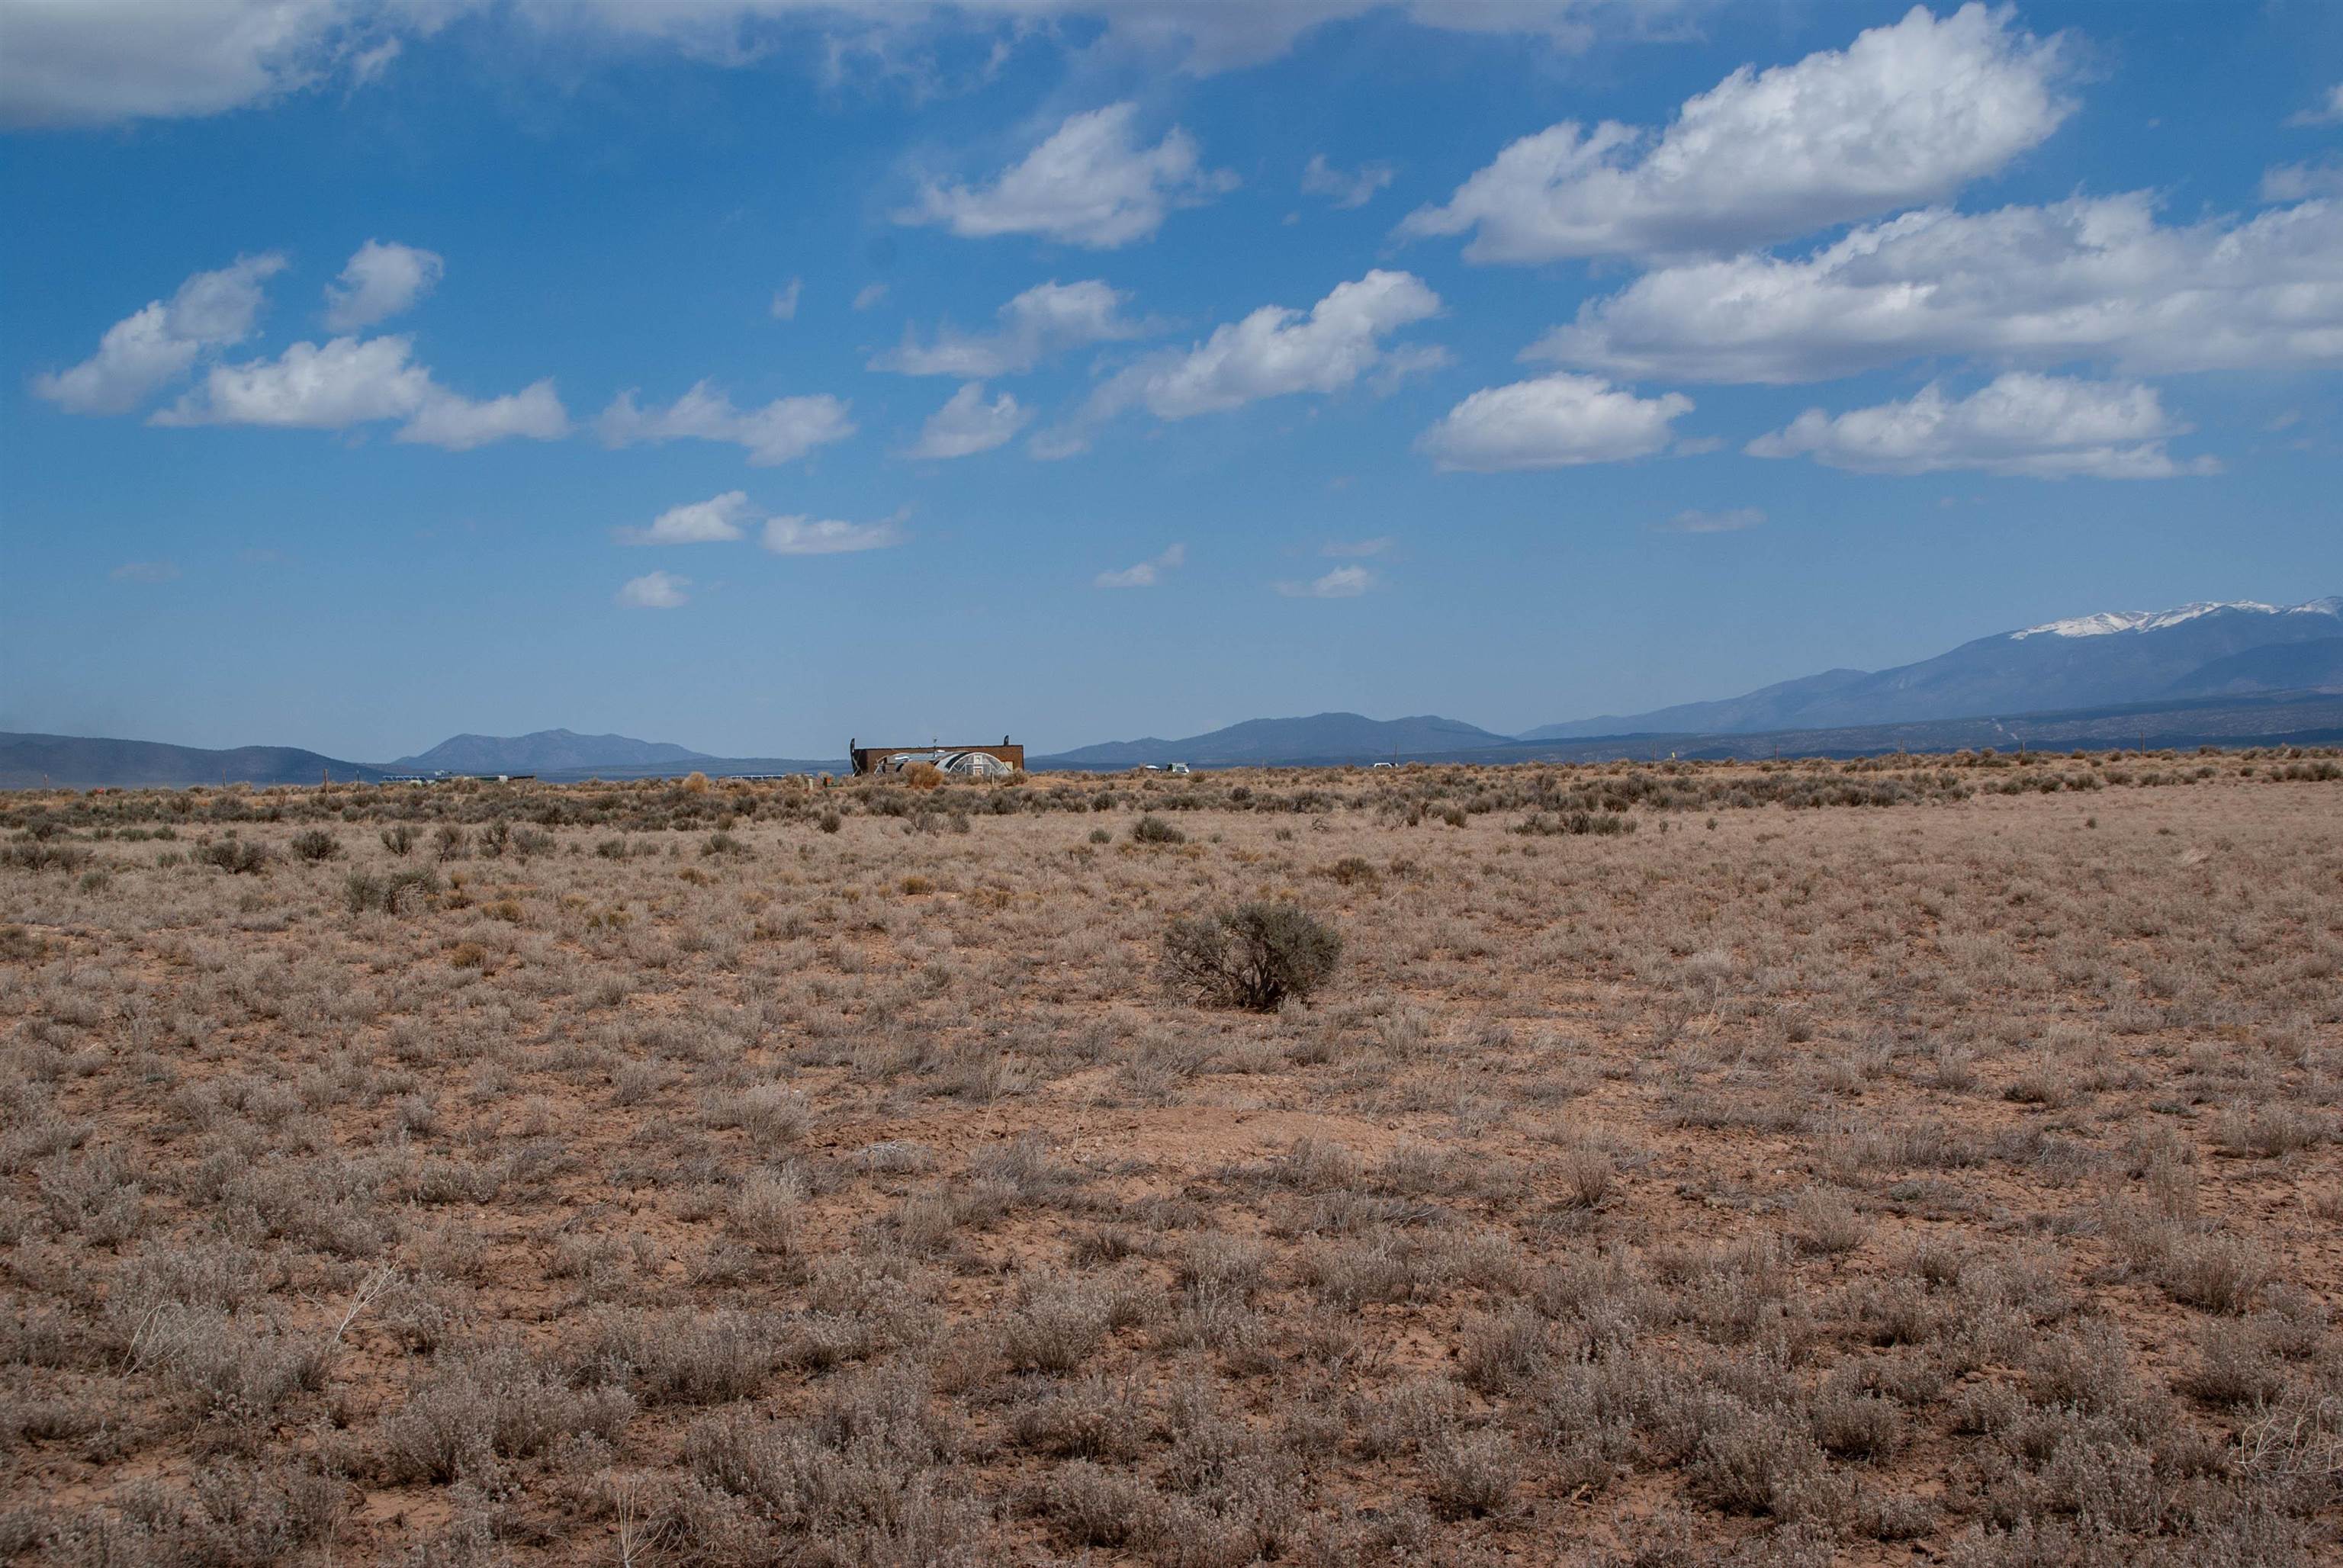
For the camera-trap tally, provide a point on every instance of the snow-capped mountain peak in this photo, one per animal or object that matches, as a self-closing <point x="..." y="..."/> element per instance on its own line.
<point x="2110" y="622"/>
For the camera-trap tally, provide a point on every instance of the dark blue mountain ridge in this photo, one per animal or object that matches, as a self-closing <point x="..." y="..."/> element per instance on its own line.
<point x="543" y="751"/>
<point x="2315" y="666"/>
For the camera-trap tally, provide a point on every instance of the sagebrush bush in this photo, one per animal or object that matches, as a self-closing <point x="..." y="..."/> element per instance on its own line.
<point x="398" y="892"/>
<point x="2220" y="1273"/>
<point x="1471" y="1474"/>
<point x="1153" y="829"/>
<point x="316" y="844"/>
<point x="1574" y="824"/>
<point x="237" y="857"/>
<point x="1253" y="956"/>
<point x="32" y="855"/>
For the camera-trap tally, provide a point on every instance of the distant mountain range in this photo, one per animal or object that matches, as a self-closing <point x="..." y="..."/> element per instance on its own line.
<point x="1325" y="735"/>
<point x="543" y="751"/>
<point x="2238" y="673"/>
<point x="37" y="762"/>
<point x="2096" y="661"/>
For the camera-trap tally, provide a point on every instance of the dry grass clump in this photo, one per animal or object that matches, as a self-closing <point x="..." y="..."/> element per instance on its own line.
<point x="468" y="1419"/>
<point x="1800" y="1163"/>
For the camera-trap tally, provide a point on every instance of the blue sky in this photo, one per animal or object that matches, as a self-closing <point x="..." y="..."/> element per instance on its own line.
<point x="749" y="374"/>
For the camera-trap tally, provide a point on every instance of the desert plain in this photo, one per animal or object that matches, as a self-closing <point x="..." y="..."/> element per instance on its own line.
<point x="1909" y="1160"/>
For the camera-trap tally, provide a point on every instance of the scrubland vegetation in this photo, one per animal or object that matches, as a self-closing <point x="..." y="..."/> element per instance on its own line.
<point x="1867" y="1162"/>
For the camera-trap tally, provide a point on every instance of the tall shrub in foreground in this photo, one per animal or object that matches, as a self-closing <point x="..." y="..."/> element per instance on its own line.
<point x="1253" y="956"/>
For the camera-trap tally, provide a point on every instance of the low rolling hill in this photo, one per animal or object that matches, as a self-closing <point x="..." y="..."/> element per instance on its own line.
<point x="82" y="762"/>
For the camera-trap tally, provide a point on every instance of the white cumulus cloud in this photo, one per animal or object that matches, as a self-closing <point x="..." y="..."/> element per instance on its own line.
<point x="2042" y="427"/>
<point x="967" y="423"/>
<point x="2093" y="279"/>
<point x="1552" y="422"/>
<point x="460" y="424"/>
<point x="345" y="381"/>
<point x="350" y="381"/>
<point x="2328" y="111"/>
<point x="96" y="62"/>
<point x="1274" y="352"/>
<point x="90" y="62"/>
<point x="379" y="281"/>
<point x="1906" y="115"/>
<point x="1045" y="319"/>
<point x="785" y="300"/>
<point x="723" y="519"/>
<point x="803" y="536"/>
<point x="1342" y="582"/>
<point x="655" y="591"/>
<point x="160" y="342"/>
<point x="711" y="521"/>
<point x="2299" y="182"/>
<point x="782" y="430"/>
<point x="1355" y="188"/>
<point x="1089" y="183"/>
<point x="1147" y="573"/>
